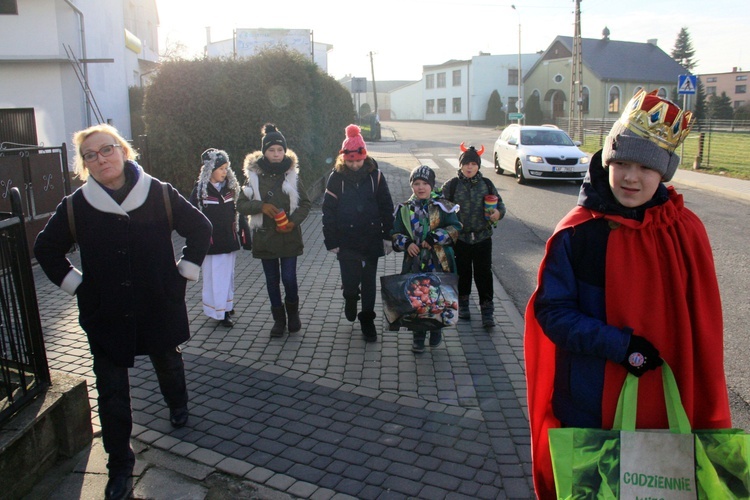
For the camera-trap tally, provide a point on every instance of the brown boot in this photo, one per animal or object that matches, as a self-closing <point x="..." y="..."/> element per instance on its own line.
<point x="292" y="311"/>
<point x="279" y="321"/>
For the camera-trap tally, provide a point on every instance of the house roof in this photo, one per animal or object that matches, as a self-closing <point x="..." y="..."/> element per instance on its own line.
<point x="383" y="86"/>
<point x="615" y="60"/>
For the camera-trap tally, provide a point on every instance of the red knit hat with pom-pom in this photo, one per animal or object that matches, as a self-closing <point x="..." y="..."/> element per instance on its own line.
<point x="353" y="148"/>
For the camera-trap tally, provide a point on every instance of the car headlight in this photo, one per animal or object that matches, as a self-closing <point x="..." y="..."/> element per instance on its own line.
<point x="584" y="160"/>
<point x="535" y="159"/>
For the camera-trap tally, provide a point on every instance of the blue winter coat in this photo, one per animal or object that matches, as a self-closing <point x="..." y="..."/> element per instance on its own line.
<point x="357" y="212"/>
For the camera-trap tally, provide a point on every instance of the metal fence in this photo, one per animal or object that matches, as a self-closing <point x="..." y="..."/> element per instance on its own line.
<point x="24" y="372"/>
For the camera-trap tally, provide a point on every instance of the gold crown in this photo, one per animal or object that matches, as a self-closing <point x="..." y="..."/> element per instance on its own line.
<point x="658" y="120"/>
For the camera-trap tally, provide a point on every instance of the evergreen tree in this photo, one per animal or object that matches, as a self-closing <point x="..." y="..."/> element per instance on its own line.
<point x="700" y="108"/>
<point x="720" y="108"/>
<point x="742" y="113"/>
<point x="534" y="115"/>
<point x="495" y="116"/>
<point x="683" y="51"/>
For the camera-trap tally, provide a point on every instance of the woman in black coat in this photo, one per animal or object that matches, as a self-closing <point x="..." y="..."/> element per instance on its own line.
<point x="130" y="290"/>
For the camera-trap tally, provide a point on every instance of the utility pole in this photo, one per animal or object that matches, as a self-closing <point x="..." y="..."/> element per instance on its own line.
<point x="519" y="98"/>
<point x="374" y="88"/>
<point x="576" y="78"/>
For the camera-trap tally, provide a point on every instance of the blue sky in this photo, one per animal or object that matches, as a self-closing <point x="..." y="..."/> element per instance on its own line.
<point x="405" y="35"/>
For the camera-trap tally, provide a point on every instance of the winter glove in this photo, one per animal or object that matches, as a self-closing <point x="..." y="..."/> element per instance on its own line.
<point x="387" y="247"/>
<point x="334" y="250"/>
<point x="641" y="356"/>
<point x="270" y="210"/>
<point x="430" y="239"/>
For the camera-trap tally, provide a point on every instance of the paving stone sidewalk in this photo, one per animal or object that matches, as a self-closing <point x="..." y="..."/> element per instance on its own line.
<point x="319" y="414"/>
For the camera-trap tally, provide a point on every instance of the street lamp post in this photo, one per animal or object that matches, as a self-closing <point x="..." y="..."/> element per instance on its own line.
<point x="519" y="101"/>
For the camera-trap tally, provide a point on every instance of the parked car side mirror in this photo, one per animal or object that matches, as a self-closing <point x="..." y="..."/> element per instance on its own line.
<point x="513" y="141"/>
<point x="577" y="143"/>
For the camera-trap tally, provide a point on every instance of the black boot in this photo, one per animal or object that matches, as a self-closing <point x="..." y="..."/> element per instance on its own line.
<point x="279" y="321"/>
<point x="463" y="307"/>
<point x="227" y="321"/>
<point x="350" y="307"/>
<point x="417" y="345"/>
<point x="488" y="314"/>
<point x="436" y="338"/>
<point x="292" y="311"/>
<point x="367" y="321"/>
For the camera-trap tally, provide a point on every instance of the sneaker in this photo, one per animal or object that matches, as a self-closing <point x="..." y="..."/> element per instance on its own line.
<point x="436" y="338"/>
<point x="418" y="343"/>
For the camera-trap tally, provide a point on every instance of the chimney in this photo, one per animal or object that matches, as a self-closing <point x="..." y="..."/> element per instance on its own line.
<point x="208" y="35"/>
<point x="734" y="69"/>
<point x="652" y="41"/>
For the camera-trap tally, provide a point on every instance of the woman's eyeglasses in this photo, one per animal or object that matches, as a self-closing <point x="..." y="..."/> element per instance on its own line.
<point x="104" y="151"/>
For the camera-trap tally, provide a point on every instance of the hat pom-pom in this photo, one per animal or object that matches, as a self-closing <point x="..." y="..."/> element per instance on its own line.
<point x="352" y="130"/>
<point x="268" y="128"/>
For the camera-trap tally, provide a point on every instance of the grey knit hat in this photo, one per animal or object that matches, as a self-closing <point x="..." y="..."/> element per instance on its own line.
<point x="648" y="132"/>
<point x="424" y="173"/>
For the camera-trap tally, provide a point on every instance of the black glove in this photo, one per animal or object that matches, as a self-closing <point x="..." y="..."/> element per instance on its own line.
<point x="430" y="239"/>
<point x="641" y="356"/>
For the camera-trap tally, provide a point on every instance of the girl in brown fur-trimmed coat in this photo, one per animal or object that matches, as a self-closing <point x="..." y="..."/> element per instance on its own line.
<point x="273" y="185"/>
<point x="357" y="221"/>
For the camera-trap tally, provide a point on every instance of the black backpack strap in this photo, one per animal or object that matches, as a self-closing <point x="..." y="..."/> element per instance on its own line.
<point x="167" y="204"/>
<point x="489" y="184"/>
<point x="71" y="216"/>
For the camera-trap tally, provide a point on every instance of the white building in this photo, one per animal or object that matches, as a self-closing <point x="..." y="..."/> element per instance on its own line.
<point x="460" y="90"/>
<point x="42" y="88"/>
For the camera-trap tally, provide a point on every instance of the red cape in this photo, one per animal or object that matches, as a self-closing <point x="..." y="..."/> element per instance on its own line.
<point x="661" y="282"/>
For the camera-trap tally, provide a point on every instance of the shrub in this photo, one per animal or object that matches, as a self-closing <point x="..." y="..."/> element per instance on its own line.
<point x="223" y="103"/>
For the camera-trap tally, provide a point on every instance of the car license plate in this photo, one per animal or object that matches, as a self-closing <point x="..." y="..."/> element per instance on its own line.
<point x="562" y="169"/>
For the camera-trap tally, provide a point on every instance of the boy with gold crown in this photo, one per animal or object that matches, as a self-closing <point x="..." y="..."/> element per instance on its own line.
<point x="627" y="282"/>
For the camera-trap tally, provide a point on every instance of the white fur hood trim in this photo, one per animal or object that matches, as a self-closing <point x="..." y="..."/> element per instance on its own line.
<point x="252" y="191"/>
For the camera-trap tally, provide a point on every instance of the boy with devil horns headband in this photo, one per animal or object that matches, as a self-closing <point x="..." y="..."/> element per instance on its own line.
<point x="481" y="208"/>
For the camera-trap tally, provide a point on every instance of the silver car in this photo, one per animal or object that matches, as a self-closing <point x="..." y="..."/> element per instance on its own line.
<point x="539" y="152"/>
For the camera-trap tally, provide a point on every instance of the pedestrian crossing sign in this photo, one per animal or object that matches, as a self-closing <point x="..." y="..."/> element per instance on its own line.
<point x="686" y="84"/>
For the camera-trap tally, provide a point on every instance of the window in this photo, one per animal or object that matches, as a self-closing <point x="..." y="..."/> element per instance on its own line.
<point x="662" y="93"/>
<point x="711" y="79"/>
<point x="637" y="89"/>
<point x="740" y="89"/>
<point x="512" y="76"/>
<point x="741" y="78"/>
<point x="614" y="100"/>
<point x="8" y="7"/>
<point x="441" y="80"/>
<point x="457" y="78"/>
<point x="738" y="104"/>
<point x="558" y="78"/>
<point x="441" y="106"/>
<point x="429" y="82"/>
<point x="711" y="90"/>
<point x="430" y="106"/>
<point x="585" y="102"/>
<point x="456" y="104"/>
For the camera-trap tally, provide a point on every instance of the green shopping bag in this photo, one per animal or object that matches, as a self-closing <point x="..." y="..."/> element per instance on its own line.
<point x="704" y="464"/>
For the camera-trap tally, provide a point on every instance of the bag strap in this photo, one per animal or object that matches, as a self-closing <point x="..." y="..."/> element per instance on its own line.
<point x="167" y="204"/>
<point x="71" y="216"/>
<point x="627" y="404"/>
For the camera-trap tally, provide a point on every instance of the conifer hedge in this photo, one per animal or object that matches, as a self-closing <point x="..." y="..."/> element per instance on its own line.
<point x="221" y="103"/>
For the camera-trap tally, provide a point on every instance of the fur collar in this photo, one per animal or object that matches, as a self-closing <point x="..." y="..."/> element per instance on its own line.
<point x="251" y="189"/>
<point x="98" y="198"/>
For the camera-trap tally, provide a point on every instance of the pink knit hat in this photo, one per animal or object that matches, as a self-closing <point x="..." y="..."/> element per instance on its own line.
<point x="353" y="148"/>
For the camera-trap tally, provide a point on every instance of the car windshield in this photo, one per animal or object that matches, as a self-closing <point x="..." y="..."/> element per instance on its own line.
<point x="545" y="138"/>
